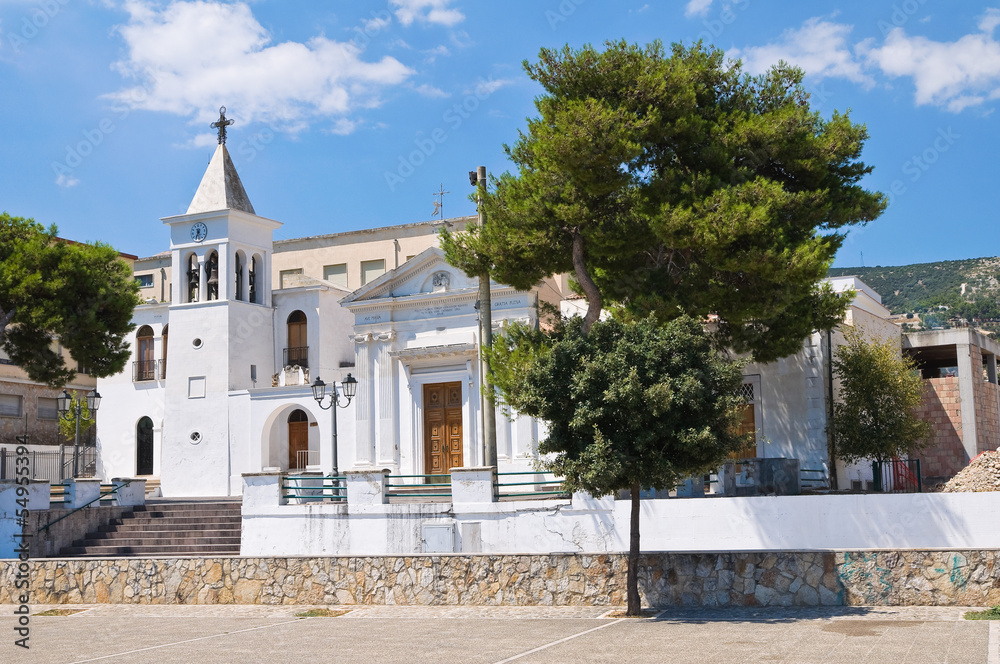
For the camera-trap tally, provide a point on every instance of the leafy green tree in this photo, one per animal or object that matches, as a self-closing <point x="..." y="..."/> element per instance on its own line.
<point x="880" y="391"/>
<point x="82" y="295"/>
<point x="67" y="420"/>
<point x="678" y="183"/>
<point x="629" y="405"/>
<point x="671" y="185"/>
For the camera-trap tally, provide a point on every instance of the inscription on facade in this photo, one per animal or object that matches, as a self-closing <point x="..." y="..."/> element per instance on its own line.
<point x="438" y="311"/>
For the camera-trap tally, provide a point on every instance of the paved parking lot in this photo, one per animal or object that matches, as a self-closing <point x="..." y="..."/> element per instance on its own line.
<point x="495" y="635"/>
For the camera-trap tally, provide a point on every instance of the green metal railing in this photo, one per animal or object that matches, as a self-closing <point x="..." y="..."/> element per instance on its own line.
<point x="60" y="496"/>
<point x="818" y="475"/>
<point x="100" y="497"/>
<point x="501" y="487"/>
<point x="428" y="486"/>
<point x="329" y="488"/>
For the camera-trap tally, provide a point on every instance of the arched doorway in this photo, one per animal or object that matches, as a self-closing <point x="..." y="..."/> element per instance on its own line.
<point x="144" y="447"/>
<point x="297" y="351"/>
<point x="298" y="439"/>
<point x="145" y="367"/>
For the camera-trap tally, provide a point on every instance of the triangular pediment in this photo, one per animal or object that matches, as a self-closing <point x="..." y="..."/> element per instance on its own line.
<point x="426" y="274"/>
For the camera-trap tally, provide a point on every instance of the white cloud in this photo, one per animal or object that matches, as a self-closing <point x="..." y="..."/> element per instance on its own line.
<point x="375" y="24"/>
<point x="343" y="126"/>
<point x="697" y="8"/>
<point x="819" y="47"/>
<point x="485" y="88"/>
<point x="199" y="141"/>
<point x="426" y="90"/>
<point x="427" y="11"/>
<point x="190" y="57"/>
<point x="954" y="75"/>
<point x="67" y="180"/>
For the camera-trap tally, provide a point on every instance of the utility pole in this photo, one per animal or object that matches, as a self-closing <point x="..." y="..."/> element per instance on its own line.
<point x="478" y="179"/>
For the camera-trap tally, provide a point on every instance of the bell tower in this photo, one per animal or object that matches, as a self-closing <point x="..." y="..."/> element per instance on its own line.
<point x="221" y="328"/>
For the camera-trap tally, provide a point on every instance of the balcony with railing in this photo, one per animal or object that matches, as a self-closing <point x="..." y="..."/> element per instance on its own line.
<point x="144" y="370"/>
<point x="297" y="355"/>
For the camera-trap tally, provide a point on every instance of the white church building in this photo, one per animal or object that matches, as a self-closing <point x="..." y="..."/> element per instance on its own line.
<point x="235" y="327"/>
<point x="234" y="331"/>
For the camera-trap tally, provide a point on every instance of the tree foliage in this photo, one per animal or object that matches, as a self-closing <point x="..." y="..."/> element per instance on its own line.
<point x="630" y="403"/>
<point x="880" y="391"/>
<point x="67" y="420"/>
<point x="82" y="295"/>
<point x="677" y="182"/>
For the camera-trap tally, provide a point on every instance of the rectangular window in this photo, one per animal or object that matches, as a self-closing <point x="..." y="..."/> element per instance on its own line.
<point x="10" y="405"/>
<point x="288" y="277"/>
<point x="371" y="270"/>
<point x="336" y="274"/>
<point x="144" y="280"/>
<point x="47" y="408"/>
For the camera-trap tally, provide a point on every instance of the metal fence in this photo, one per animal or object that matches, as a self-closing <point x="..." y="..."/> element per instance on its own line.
<point x="54" y="466"/>
<point x="897" y="476"/>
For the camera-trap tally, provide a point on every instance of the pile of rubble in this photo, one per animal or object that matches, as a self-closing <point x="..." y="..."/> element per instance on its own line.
<point x="983" y="474"/>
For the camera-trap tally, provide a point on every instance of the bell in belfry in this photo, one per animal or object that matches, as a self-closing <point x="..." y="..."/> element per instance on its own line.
<point x="213" y="279"/>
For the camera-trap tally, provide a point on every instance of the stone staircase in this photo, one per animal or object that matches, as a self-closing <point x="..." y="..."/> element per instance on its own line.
<point x="166" y="528"/>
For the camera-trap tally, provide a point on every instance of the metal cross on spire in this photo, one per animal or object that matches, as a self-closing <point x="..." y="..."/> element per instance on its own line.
<point x="439" y="203"/>
<point x="221" y="125"/>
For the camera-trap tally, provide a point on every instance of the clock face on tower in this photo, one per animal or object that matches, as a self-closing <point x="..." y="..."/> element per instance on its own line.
<point x="199" y="232"/>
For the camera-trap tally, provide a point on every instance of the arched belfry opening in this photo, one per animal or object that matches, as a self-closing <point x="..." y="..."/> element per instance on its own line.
<point x="193" y="278"/>
<point x="238" y="276"/>
<point x="212" y="276"/>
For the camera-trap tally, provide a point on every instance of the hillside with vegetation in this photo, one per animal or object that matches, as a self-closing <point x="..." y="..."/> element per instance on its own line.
<point x="942" y="294"/>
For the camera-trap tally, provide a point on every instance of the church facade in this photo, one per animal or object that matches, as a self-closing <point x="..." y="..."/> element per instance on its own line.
<point x="236" y="328"/>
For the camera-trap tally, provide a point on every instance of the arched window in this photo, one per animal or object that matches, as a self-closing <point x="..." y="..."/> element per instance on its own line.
<point x="193" y="278"/>
<point x="239" y="276"/>
<point x="145" y="365"/>
<point x="144" y="447"/>
<point x="298" y="439"/>
<point x="297" y="351"/>
<point x="212" y="274"/>
<point x="254" y="263"/>
<point x="163" y="347"/>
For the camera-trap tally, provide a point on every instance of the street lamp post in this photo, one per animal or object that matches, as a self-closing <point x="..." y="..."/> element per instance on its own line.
<point x="349" y="388"/>
<point x="65" y="406"/>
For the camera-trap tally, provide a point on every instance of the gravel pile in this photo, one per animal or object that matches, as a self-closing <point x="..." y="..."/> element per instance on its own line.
<point x="983" y="474"/>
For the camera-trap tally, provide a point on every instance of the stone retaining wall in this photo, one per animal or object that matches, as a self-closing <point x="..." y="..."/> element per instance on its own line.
<point x="692" y="579"/>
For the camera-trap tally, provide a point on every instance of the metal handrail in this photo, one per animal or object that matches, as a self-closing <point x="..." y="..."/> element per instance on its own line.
<point x="296" y="355"/>
<point x="336" y="491"/>
<point x="419" y="485"/>
<point x="99" y="497"/>
<point x="497" y="485"/>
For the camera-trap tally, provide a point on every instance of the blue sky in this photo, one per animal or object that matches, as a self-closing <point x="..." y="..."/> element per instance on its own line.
<point x="351" y="114"/>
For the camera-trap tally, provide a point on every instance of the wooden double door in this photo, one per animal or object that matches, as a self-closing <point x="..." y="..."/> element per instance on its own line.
<point x="442" y="427"/>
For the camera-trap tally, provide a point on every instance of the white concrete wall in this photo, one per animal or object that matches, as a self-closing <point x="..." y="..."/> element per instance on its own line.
<point x="124" y="401"/>
<point x="699" y="524"/>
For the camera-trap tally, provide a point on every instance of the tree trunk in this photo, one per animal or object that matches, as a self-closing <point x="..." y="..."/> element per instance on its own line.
<point x="632" y="582"/>
<point x="593" y="294"/>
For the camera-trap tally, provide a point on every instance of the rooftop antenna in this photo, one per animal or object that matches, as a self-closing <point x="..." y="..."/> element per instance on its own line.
<point x="439" y="203"/>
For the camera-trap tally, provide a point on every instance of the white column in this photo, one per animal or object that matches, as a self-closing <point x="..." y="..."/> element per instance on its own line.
<point x="386" y="438"/>
<point x="202" y="280"/>
<point x="245" y="278"/>
<point x="364" y="402"/>
<point x="967" y="373"/>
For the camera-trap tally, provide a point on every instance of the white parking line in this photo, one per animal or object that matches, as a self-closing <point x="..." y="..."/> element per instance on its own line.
<point x="563" y="640"/>
<point x="177" y="643"/>
<point x="994" y="654"/>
